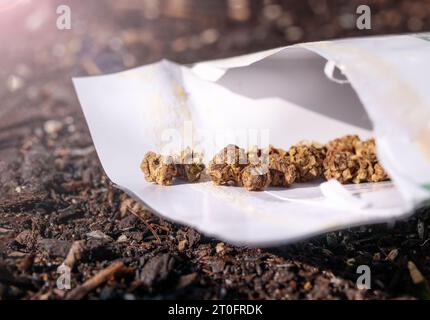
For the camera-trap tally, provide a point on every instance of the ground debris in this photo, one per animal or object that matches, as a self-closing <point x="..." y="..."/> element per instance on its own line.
<point x="54" y="247"/>
<point x="421" y="286"/>
<point x="157" y="269"/>
<point x="92" y="283"/>
<point x="74" y="254"/>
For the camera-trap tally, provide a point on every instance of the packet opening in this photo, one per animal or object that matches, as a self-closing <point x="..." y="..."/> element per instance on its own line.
<point x="297" y="75"/>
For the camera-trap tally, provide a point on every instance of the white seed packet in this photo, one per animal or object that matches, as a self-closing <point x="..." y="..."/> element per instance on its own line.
<point x="374" y="87"/>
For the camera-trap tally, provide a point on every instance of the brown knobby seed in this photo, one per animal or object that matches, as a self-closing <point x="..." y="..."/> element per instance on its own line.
<point x="379" y="174"/>
<point x="370" y="169"/>
<point x="255" y="177"/>
<point x="268" y="167"/>
<point x="227" y="165"/>
<point x="345" y="143"/>
<point x="340" y="165"/>
<point x="366" y="149"/>
<point x="158" y="169"/>
<point x="189" y="165"/>
<point x="351" y="160"/>
<point x="282" y="172"/>
<point x="308" y="158"/>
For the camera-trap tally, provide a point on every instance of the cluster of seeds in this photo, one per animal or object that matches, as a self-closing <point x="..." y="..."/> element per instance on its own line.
<point x="349" y="159"/>
<point x="187" y="166"/>
<point x="346" y="159"/>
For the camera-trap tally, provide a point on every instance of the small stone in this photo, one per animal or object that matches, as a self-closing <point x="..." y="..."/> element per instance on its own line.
<point x="377" y="256"/>
<point x="55" y="247"/>
<point x="157" y="269"/>
<point x="217" y="265"/>
<point x="350" y="262"/>
<point x="14" y="83"/>
<point x="129" y="296"/>
<point x="209" y="36"/>
<point x="97" y="234"/>
<point x="307" y="286"/>
<point x="182" y="245"/>
<point x="25" y="238"/>
<point x="272" y="12"/>
<point x="186" y="280"/>
<point x="220" y="247"/>
<point x="52" y="127"/>
<point x="122" y="238"/>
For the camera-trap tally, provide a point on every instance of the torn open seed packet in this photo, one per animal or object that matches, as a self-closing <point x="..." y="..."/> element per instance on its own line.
<point x="373" y="88"/>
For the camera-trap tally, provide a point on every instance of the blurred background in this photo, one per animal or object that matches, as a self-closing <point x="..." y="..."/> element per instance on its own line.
<point x="114" y="34"/>
<point x="37" y="60"/>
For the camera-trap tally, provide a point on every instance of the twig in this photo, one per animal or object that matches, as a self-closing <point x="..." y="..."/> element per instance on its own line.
<point x="154" y="233"/>
<point x="422" y="289"/>
<point x="75" y="253"/>
<point x="89" y="285"/>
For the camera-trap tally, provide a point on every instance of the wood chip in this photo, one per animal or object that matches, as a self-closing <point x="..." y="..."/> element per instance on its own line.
<point x="91" y="284"/>
<point x="74" y="254"/>
<point x="392" y="255"/>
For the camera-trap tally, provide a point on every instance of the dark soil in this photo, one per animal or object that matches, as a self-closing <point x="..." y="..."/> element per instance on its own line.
<point x="53" y="191"/>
